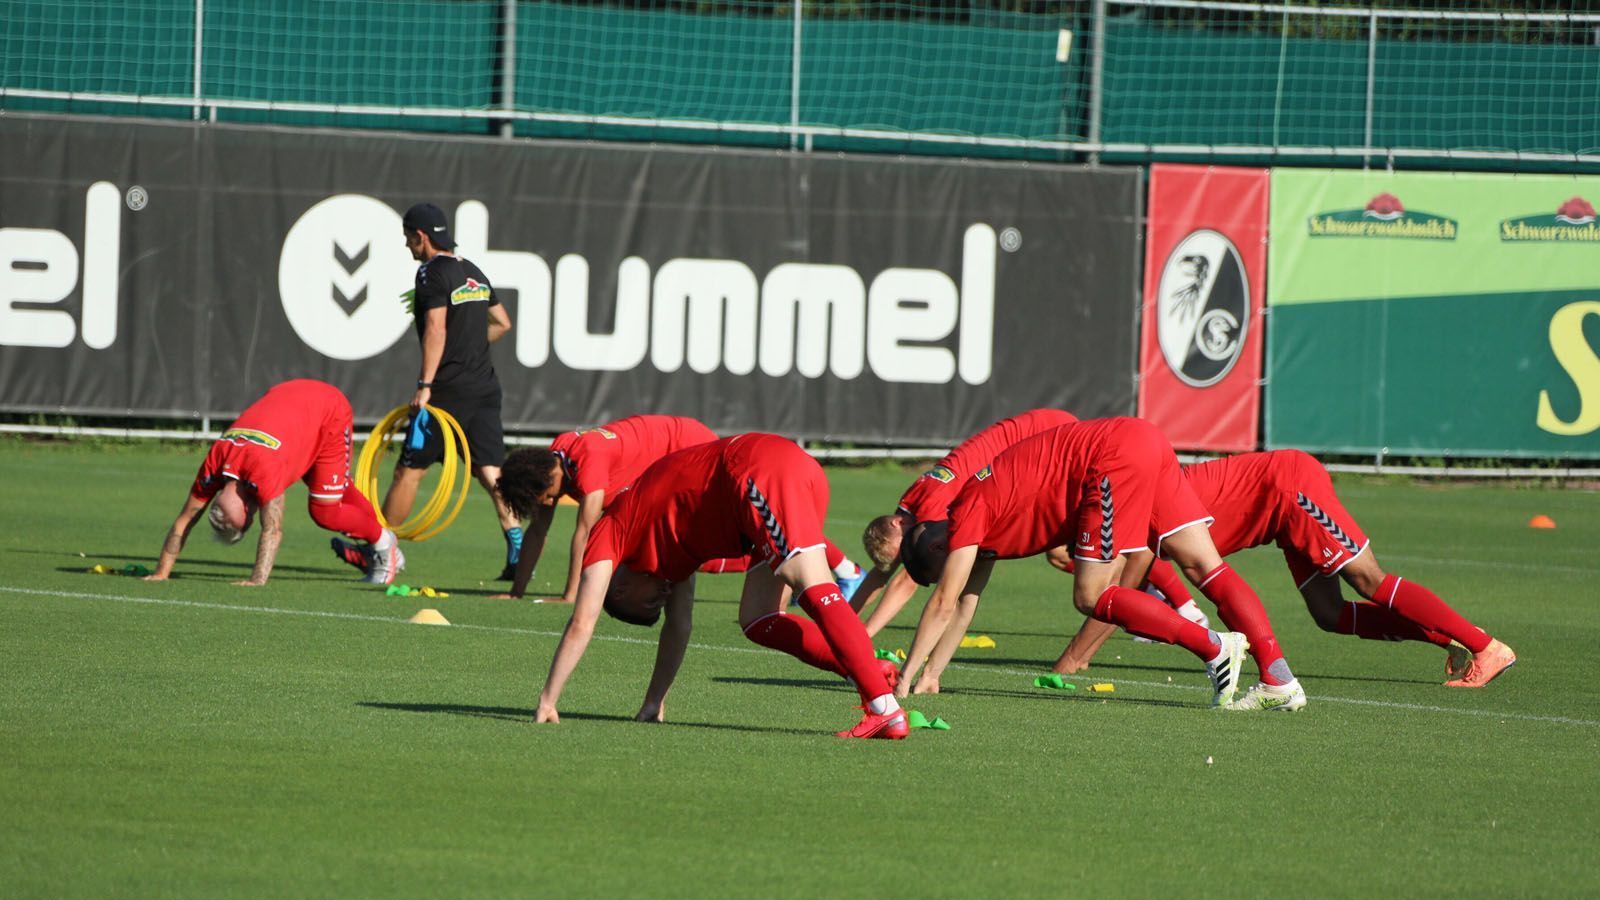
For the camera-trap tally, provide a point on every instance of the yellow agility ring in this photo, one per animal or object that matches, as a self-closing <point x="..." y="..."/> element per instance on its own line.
<point x="424" y="523"/>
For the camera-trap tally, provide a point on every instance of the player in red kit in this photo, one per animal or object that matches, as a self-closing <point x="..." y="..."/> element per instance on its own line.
<point x="1100" y="487"/>
<point x="1285" y="497"/>
<point x="928" y="500"/>
<point x="300" y="430"/>
<point x="589" y="466"/>
<point x="756" y="494"/>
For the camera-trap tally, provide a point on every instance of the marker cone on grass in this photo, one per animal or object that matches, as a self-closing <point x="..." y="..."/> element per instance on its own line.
<point x="428" y="617"/>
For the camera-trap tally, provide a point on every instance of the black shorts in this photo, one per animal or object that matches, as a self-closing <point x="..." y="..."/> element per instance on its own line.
<point x="479" y="418"/>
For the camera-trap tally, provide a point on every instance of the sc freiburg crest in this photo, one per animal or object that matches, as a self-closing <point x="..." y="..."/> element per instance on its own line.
<point x="1202" y="308"/>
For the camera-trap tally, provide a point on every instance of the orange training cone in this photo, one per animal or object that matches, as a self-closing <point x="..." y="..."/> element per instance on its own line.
<point x="1541" y="521"/>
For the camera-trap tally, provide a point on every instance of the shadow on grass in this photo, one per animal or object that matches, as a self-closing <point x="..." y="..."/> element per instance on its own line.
<point x="1080" y="696"/>
<point x="523" y="715"/>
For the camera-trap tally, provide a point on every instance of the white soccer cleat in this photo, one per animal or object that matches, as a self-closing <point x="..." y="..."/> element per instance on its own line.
<point x="385" y="564"/>
<point x="1224" y="668"/>
<point x="1289" y="697"/>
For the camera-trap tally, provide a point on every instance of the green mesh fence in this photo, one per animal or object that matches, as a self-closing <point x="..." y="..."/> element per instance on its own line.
<point x="1176" y="78"/>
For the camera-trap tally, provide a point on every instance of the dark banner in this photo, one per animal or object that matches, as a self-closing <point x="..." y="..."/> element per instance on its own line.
<point x="182" y="269"/>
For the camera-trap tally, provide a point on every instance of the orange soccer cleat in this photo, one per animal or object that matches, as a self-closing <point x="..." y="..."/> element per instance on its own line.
<point x="891" y="726"/>
<point x="1486" y="666"/>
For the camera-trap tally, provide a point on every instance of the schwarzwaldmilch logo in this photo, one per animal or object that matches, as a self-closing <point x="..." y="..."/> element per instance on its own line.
<point x="1383" y="217"/>
<point x="1574" y="221"/>
<point x="1202" y="308"/>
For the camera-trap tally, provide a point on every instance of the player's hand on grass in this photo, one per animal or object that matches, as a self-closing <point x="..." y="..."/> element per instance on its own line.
<point x="547" y="715"/>
<point x="154" y="578"/>
<point x="650" y="712"/>
<point x="506" y="596"/>
<point x="1069" y="664"/>
<point x="927" y="684"/>
<point x="249" y="582"/>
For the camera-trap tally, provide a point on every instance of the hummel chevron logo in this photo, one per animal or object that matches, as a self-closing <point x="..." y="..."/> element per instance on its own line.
<point x="1326" y="521"/>
<point x="780" y="542"/>
<point x="1107" y="515"/>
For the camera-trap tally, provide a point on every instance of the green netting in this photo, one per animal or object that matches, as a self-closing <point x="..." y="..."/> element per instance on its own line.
<point x="937" y="74"/>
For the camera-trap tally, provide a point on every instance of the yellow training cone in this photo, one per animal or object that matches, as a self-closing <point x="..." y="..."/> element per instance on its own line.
<point x="428" y="617"/>
<point x="1541" y="521"/>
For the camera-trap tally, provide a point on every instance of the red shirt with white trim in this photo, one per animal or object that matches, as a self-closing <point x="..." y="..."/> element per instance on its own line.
<point x="929" y="497"/>
<point x="612" y="456"/>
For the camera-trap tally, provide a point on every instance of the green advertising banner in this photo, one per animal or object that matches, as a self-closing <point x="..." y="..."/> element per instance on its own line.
<point x="1434" y="314"/>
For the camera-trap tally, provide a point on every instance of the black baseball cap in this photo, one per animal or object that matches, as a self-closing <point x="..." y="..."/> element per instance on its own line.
<point x="430" y="220"/>
<point x="924" y="551"/>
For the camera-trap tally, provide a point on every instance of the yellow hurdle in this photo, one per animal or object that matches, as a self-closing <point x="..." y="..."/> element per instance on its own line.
<point x="424" y="523"/>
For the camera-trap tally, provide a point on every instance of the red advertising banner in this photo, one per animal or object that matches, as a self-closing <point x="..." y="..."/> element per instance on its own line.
<point x="1204" y="290"/>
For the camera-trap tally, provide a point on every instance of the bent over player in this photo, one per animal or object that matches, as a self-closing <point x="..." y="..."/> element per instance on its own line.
<point x="589" y="466"/>
<point x="1103" y="487"/>
<point x="297" y="430"/>
<point x="752" y="493"/>
<point x="928" y="499"/>
<point x="1286" y="497"/>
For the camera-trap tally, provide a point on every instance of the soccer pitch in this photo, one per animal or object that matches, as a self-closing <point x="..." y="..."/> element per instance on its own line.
<point x="194" y="738"/>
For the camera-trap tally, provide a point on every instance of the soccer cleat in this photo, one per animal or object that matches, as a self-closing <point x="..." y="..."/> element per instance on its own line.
<point x="1224" y="669"/>
<point x="354" y="554"/>
<point x="890" y="726"/>
<point x="385" y="565"/>
<point x="848" y="586"/>
<point x="1457" y="658"/>
<point x="1289" y="697"/>
<point x="1486" y="666"/>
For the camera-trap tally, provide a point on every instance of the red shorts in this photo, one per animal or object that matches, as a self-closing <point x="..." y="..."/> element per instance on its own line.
<point x="785" y="496"/>
<point x="330" y="470"/>
<point x="1318" y="536"/>
<point x="1134" y="495"/>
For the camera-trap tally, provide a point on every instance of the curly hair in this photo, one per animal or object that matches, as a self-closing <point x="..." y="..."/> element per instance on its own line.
<point x="882" y="541"/>
<point x="525" y="477"/>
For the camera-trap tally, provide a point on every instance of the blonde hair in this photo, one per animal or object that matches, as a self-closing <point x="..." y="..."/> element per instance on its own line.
<point x="882" y="541"/>
<point x="221" y="528"/>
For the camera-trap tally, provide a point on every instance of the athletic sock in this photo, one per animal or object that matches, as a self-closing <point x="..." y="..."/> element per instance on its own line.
<point x="1139" y="613"/>
<point x="846" y="569"/>
<point x="1240" y="609"/>
<point x="847" y="636"/>
<point x="1372" y="622"/>
<point x="513" y="544"/>
<point x="352" y="515"/>
<point x="386" y="540"/>
<point x="799" y="637"/>
<point x="883" y="704"/>
<point x="1422" y="606"/>
<point x="1164" y="579"/>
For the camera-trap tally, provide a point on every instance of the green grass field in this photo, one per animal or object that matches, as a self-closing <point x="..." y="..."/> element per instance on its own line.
<point x="194" y="738"/>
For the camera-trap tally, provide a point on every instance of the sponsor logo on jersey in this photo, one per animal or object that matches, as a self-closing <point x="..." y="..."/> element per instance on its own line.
<point x="1202" y="308"/>
<point x="241" y="436"/>
<point x="1384" y="216"/>
<point x="605" y="433"/>
<point x="983" y="473"/>
<point x="940" y="474"/>
<point x="474" y="291"/>
<point x="1574" y="221"/>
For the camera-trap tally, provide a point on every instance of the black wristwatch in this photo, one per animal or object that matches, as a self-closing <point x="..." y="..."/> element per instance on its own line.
<point x="424" y="384"/>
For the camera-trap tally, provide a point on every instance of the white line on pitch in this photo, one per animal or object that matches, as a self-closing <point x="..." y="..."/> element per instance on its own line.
<point x="506" y="629"/>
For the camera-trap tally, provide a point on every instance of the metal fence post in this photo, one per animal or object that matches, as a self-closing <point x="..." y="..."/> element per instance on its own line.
<point x="1097" y="78"/>
<point x="508" y="64"/>
<point x="794" y="76"/>
<point x="1372" y="74"/>
<point x="199" y="55"/>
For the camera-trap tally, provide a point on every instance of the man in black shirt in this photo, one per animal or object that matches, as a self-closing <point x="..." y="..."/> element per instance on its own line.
<point x="458" y="317"/>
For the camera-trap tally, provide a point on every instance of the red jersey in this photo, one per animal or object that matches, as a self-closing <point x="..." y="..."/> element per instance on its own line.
<point x="614" y="455"/>
<point x="277" y="440"/>
<point x="929" y="497"/>
<point x="756" y="494"/>
<point x="1283" y="497"/>
<point x="1100" y="486"/>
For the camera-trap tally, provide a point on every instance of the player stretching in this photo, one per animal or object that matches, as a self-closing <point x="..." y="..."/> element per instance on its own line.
<point x="717" y="501"/>
<point x="1286" y="497"/>
<point x="589" y="466"/>
<point x="928" y="500"/>
<point x="297" y="430"/>
<point x="1102" y="487"/>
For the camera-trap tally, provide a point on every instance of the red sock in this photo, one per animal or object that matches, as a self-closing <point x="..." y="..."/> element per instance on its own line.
<point x="1372" y="622"/>
<point x="1241" y="610"/>
<point x="1166" y="580"/>
<point x="799" y="637"/>
<point x="352" y="515"/>
<point x="1139" y="613"/>
<point x="1422" y="606"/>
<point x="847" y="637"/>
